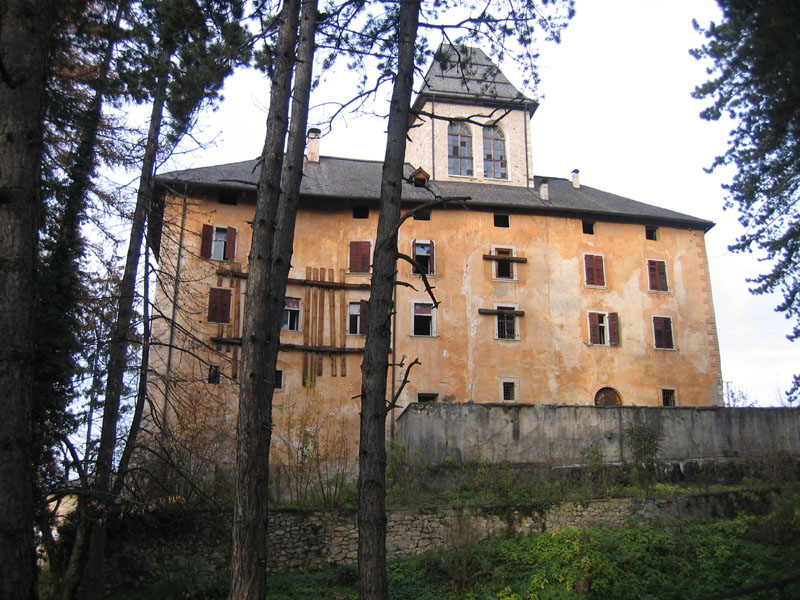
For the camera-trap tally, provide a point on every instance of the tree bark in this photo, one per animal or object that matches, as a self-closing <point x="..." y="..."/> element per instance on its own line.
<point x="24" y="33"/>
<point x="374" y="369"/>
<point x="249" y="558"/>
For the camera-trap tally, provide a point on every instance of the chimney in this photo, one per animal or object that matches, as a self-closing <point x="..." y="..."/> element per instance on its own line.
<point x="312" y="145"/>
<point x="544" y="191"/>
<point x="576" y="181"/>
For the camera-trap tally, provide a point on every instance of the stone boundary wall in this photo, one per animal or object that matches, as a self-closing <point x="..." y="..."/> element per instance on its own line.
<point x="308" y="539"/>
<point x="560" y="434"/>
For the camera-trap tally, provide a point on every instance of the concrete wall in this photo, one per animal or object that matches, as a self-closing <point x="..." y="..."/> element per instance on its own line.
<point x="560" y="435"/>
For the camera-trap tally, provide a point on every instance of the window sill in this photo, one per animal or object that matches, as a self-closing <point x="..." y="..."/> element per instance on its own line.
<point x="499" y="339"/>
<point x="414" y="335"/>
<point x="473" y="177"/>
<point x="504" y="280"/>
<point x="355" y="334"/>
<point x="596" y="287"/>
<point x="666" y="349"/>
<point x="662" y="292"/>
<point x="428" y="275"/>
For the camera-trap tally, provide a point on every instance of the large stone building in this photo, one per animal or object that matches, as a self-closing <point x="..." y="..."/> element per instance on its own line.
<point x="551" y="291"/>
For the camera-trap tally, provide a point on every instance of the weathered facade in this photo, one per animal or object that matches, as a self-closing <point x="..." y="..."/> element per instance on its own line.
<point x="550" y="291"/>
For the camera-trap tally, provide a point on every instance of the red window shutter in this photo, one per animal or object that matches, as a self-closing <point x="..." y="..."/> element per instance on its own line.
<point x="594" y="328"/>
<point x="652" y="272"/>
<point x="224" y="306"/>
<point x="588" y="263"/>
<point x="230" y="244"/>
<point x="668" y="333"/>
<point x="662" y="276"/>
<point x="359" y="257"/>
<point x="662" y="329"/>
<point x="613" y="329"/>
<point x="205" y="244"/>
<point x="363" y="309"/>
<point x="657" y="273"/>
<point x="599" y="275"/>
<point x="213" y="304"/>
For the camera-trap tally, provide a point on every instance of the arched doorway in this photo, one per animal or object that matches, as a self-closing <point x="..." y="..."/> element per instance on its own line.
<point x="607" y="397"/>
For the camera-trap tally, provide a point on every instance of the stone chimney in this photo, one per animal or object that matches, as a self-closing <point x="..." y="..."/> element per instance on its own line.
<point x="576" y="180"/>
<point x="312" y="144"/>
<point x="544" y="191"/>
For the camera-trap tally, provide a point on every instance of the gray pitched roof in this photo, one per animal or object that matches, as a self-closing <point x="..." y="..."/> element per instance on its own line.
<point x="465" y="74"/>
<point x="350" y="179"/>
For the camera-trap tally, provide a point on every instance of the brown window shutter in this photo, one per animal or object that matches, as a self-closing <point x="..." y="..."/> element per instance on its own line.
<point x="359" y="257"/>
<point x="662" y="328"/>
<point x="213" y="304"/>
<point x="599" y="275"/>
<point x="205" y="244"/>
<point x="588" y="263"/>
<point x="652" y="272"/>
<point x="662" y="276"/>
<point x="414" y="268"/>
<point x="594" y="328"/>
<point x="363" y="309"/>
<point x="431" y="268"/>
<point x="668" y="333"/>
<point x="613" y="329"/>
<point x="230" y="244"/>
<point x="224" y="306"/>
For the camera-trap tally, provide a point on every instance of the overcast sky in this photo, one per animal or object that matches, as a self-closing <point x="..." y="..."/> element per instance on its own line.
<point x="615" y="102"/>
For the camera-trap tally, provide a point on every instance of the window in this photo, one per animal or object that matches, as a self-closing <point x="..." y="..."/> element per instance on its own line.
<point x="218" y="243"/>
<point x="358" y="317"/>
<point x="494" y="153"/>
<point x="657" y="274"/>
<point x="219" y="305"/>
<point x="662" y="332"/>
<point x="506" y="323"/>
<point x="361" y="212"/>
<point x="604" y="329"/>
<point x="668" y="397"/>
<point x="501" y="220"/>
<point x="213" y="374"/>
<point x="508" y="390"/>
<point x="426" y="397"/>
<point x="594" y="270"/>
<point x="424" y="319"/>
<point x="503" y="269"/>
<point x="651" y="233"/>
<point x="459" y="149"/>
<point x="422" y="214"/>
<point x="291" y="314"/>
<point x="588" y="227"/>
<point x="278" y="379"/>
<point x="422" y="252"/>
<point x="360" y="257"/>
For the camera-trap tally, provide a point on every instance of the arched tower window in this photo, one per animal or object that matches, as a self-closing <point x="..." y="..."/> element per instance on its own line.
<point x="607" y="396"/>
<point x="494" y="153"/>
<point x="459" y="149"/>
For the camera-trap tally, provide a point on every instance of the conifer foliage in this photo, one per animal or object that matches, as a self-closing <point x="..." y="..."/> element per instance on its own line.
<point x="755" y="80"/>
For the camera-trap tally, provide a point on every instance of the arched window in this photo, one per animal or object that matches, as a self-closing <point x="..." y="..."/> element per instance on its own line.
<point x="607" y="397"/>
<point x="459" y="149"/>
<point x="494" y="153"/>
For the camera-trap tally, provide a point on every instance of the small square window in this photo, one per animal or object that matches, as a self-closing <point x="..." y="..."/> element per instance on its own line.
<point x="214" y="375"/>
<point x="422" y="214"/>
<point x="668" y="397"/>
<point x="424" y="322"/>
<point x="588" y="227"/>
<point x="651" y="233"/>
<point x="426" y="397"/>
<point x="501" y="220"/>
<point x="291" y="314"/>
<point x="227" y="198"/>
<point x="278" y="379"/>
<point x="219" y="305"/>
<point x="509" y="391"/>
<point x="361" y="212"/>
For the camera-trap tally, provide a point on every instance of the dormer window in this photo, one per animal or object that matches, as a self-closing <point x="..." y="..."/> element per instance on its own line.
<point x="494" y="153"/>
<point x="459" y="149"/>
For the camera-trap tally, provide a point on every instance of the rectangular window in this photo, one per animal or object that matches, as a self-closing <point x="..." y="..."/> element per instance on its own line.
<point x="219" y="305"/>
<point x="657" y="274"/>
<point x="278" y="379"/>
<point x="360" y="257"/>
<point x="218" y="243"/>
<point x="501" y="220"/>
<point x="424" y="319"/>
<point x="361" y="212"/>
<point x="422" y="214"/>
<point x="426" y="397"/>
<point x="595" y="274"/>
<point x="503" y="269"/>
<point x="604" y="329"/>
<point x="588" y="227"/>
<point x="662" y="332"/>
<point x="358" y="317"/>
<point x="291" y="314"/>
<point x="668" y="397"/>
<point x="508" y="390"/>
<point x="213" y="374"/>
<point x="422" y="252"/>
<point x="651" y="233"/>
<point x="506" y="324"/>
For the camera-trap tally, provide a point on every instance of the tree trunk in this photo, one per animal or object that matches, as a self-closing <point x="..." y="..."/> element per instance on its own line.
<point x="249" y="557"/>
<point x="372" y="445"/>
<point x="24" y="33"/>
<point x="120" y="335"/>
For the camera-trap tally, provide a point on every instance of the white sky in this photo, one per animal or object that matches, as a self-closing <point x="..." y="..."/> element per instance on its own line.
<point x="616" y="104"/>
